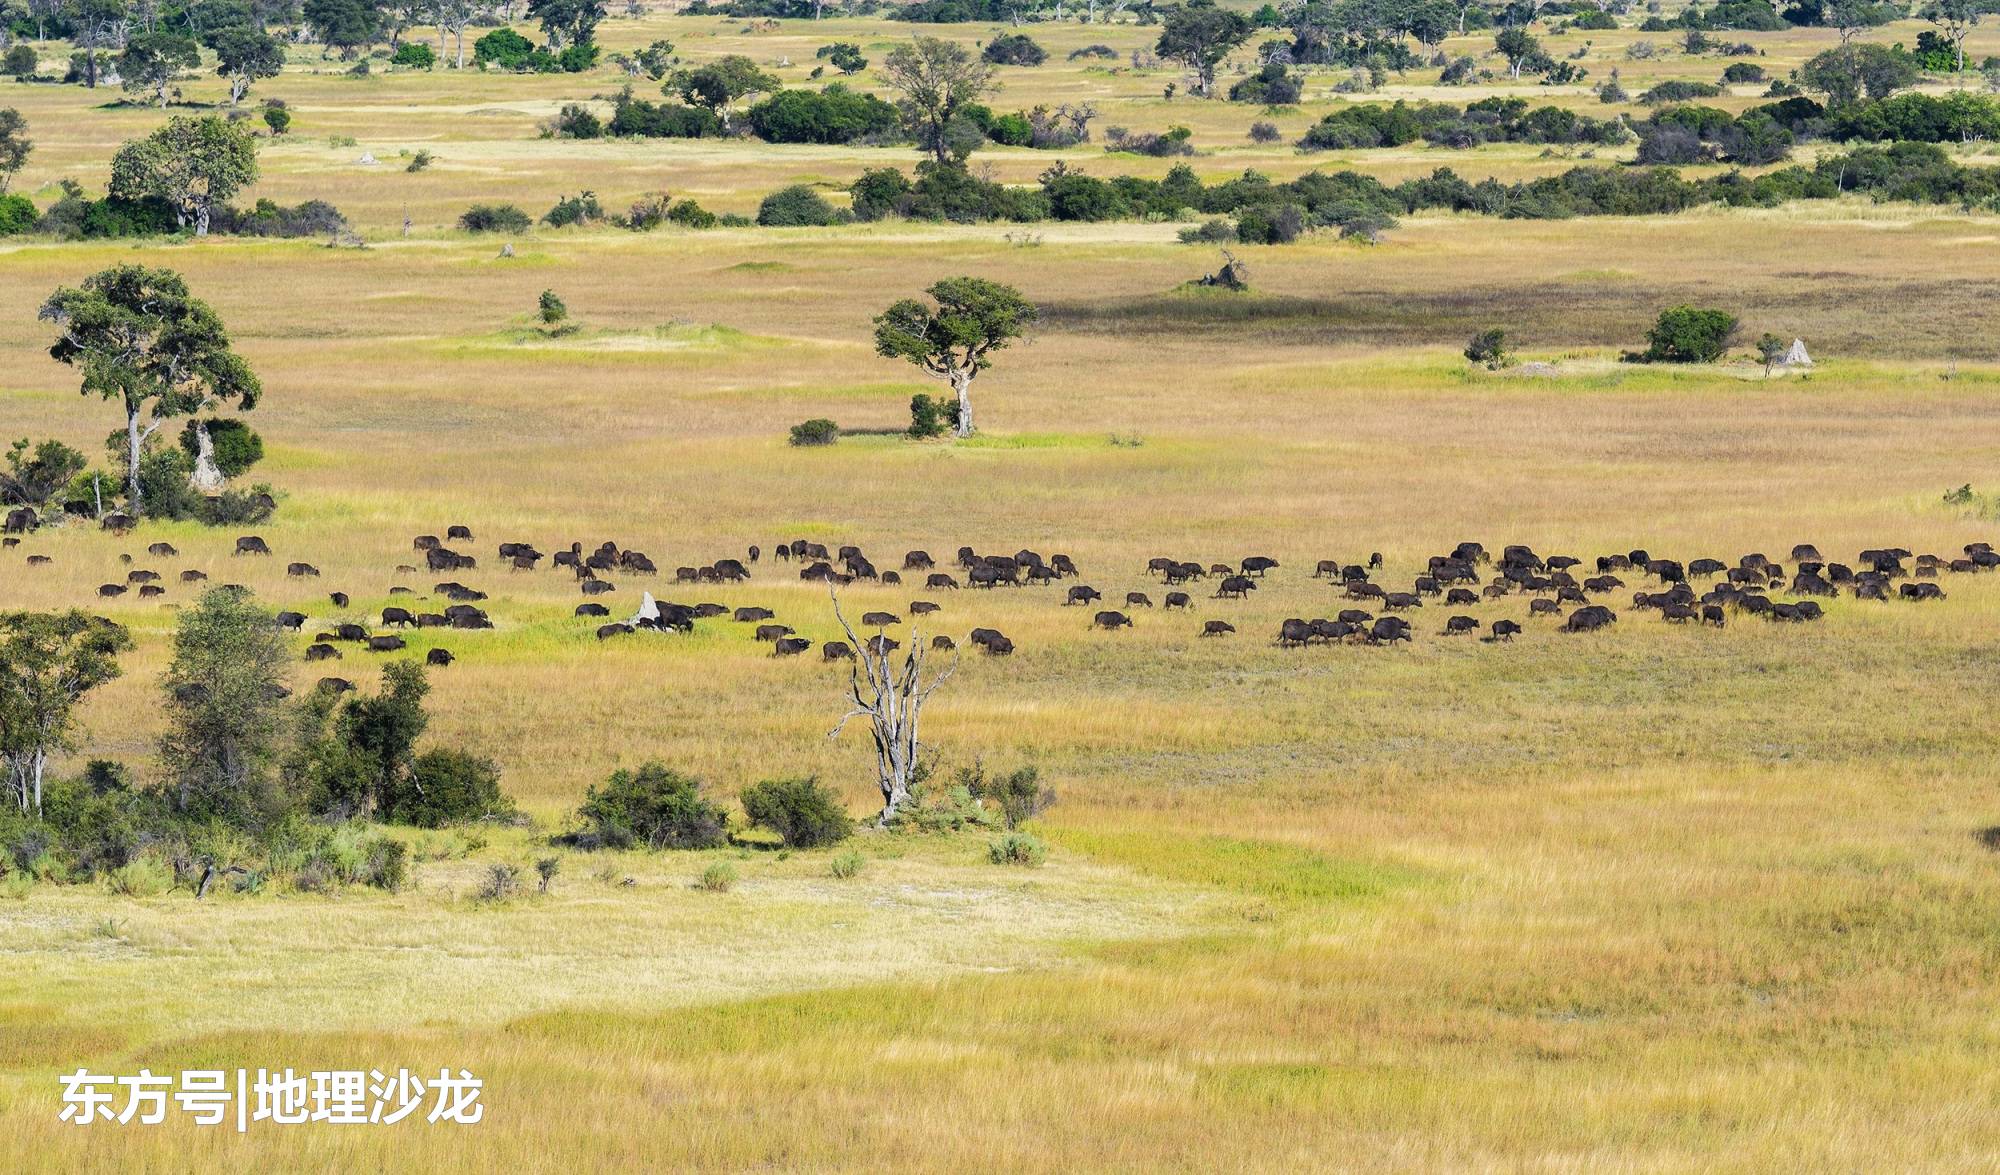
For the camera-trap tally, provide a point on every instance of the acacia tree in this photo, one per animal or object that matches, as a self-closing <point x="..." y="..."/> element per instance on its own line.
<point x="139" y="337"/>
<point x="720" y="84"/>
<point x="14" y="146"/>
<point x="48" y="662"/>
<point x="152" y="62"/>
<point x="1955" y="19"/>
<point x="245" y="55"/>
<point x="571" y="22"/>
<point x="892" y="701"/>
<point x="955" y="339"/>
<point x="96" y="24"/>
<point x="938" y="80"/>
<point x="223" y="692"/>
<point x="1199" y="35"/>
<point x="1518" y="47"/>
<point x="191" y="163"/>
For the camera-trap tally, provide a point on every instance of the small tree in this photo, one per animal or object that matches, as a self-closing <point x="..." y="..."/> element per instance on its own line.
<point x="245" y="55"/>
<point x="1488" y="347"/>
<point x="223" y="692"/>
<point x="955" y="339"/>
<point x="893" y="701"/>
<point x="1771" y="349"/>
<point x="1687" y="334"/>
<point x="1518" y="47"/>
<point x="384" y="729"/>
<point x="1955" y="19"/>
<point x="938" y="80"/>
<point x="193" y="164"/>
<point x="567" y="22"/>
<point x="277" y="118"/>
<point x="551" y="309"/>
<point x="32" y="478"/>
<point x="48" y="662"/>
<point x="14" y="146"/>
<point x="805" y="813"/>
<point x="138" y="336"/>
<point x="1199" y="34"/>
<point x="720" y="84"/>
<point x="926" y="417"/>
<point x="152" y="62"/>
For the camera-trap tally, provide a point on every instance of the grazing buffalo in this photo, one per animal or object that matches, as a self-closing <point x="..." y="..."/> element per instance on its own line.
<point x="151" y="591"/>
<point x="941" y="641"/>
<point x="1504" y="630"/>
<point x="141" y="575"/>
<point x="162" y="550"/>
<point x="999" y="646"/>
<point x="386" y="644"/>
<point x="731" y="570"/>
<point x="918" y="561"/>
<point x="1461" y="596"/>
<point x="1178" y="600"/>
<point x="1543" y="608"/>
<point x="771" y="632"/>
<point x="923" y="608"/>
<point x="1258" y="565"/>
<point x="291" y="621"/>
<point x="1712" y="614"/>
<point x="790" y="646"/>
<point x="322" y="652"/>
<point x="1401" y="600"/>
<point x="1111" y="620"/>
<point x="465" y="616"/>
<point x="606" y="631"/>
<point x="1217" y="628"/>
<point x="1235" y="587"/>
<point x="880" y="645"/>
<point x="834" y="650"/>
<point x="439" y="657"/>
<point x="1064" y="566"/>
<point x="1920" y="591"/>
<point x="338" y="599"/>
<point x="597" y="587"/>
<point x="1356" y="616"/>
<point x="22" y="519"/>
<point x="1455" y="625"/>
<point x="880" y="619"/>
<point x="109" y="590"/>
<point x="301" y="570"/>
<point x="1081" y="594"/>
<point x="1427" y="585"/>
<point x="1138" y="600"/>
<point x="189" y="576"/>
<point x="397" y="618"/>
<point x="592" y="610"/>
<point x="118" y="522"/>
<point x="1590" y="619"/>
<point x="350" y="632"/>
<point x="1329" y="568"/>
<point x="250" y="544"/>
<point x="1677" y="613"/>
<point x="1362" y="590"/>
<point x="334" y="685"/>
<point x="1293" y="633"/>
<point x="1389" y="629"/>
<point x="940" y="582"/>
<point x="891" y="579"/>
<point x="458" y="532"/>
<point x="433" y="620"/>
<point x="753" y="615"/>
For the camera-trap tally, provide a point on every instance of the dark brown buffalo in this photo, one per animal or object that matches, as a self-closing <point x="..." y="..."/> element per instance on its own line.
<point x="1217" y="628"/>
<point x="941" y="641"/>
<point x="1081" y="593"/>
<point x="1356" y="616"/>
<point x="918" y="561"/>
<point x="606" y="631"/>
<point x="322" y="652"/>
<point x="790" y="646"/>
<point x="386" y="644"/>
<point x="1235" y="587"/>
<point x="1504" y="630"/>
<point x="439" y="657"/>
<point x="753" y="615"/>
<point x="1401" y="600"/>
<point x="1178" y="600"/>
<point x="301" y="570"/>
<point x="1590" y="619"/>
<point x="880" y="645"/>
<point x="109" y="590"/>
<point x="772" y="632"/>
<point x="939" y="581"/>
<point x="290" y="621"/>
<point x="1461" y="596"/>
<point x="397" y="618"/>
<point x="1389" y="629"/>
<point x="835" y="650"/>
<point x="1455" y="625"/>
<point x="923" y="608"/>
<point x="1293" y="633"/>
<point x="1138" y="600"/>
<point x="880" y="619"/>
<point x="250" y="544"/>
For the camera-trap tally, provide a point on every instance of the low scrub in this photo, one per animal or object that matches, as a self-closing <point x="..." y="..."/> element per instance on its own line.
<point x="652" y="807"/>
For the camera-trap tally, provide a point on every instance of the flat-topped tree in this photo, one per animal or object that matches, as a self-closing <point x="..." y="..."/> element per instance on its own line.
<point x="955" y="338"/>
<point x="1199" y="35"/>
<point x="139" y="337"/>
<point x="245" y="55"/>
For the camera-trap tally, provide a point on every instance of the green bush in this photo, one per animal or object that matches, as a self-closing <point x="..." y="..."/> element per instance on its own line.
<point x="1488" y="347"/>
<point x="652" y="806"/>
<point x="817" y="431"/>
<point x="237" y="445"/>
<point x="833" y="115"/>
<point x="445" y="786"/>
<point x="1686" y="334"/>
<point x="20" y="62"/>
<point x="140" y="878"/>
<point x="794" y="207"/>
<point x="277" y="118"/>
<point x="1014" y="49"/>
<point x="494" y="218"/>
<point x="804" y="812"/>
<point x="1019" y="794"/>
<point x="505" y="49"/>
<point x="1017" y="848"/>
<point x="845" y="865"/>
<point x="717" y="878"/>
<point x="415" y="55"/>
<point x="17" y="214"/>
<point x="689" y="214"/>
<point x="929" y="417"/>
<point x="574" y="210"/>
<point x="577" y="122"/>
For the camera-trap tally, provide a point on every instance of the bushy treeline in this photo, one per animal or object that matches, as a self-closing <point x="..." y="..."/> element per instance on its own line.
<point x="1489" y="120"/>
<point x="251" y="784"/>
<point x="77" y="216"/>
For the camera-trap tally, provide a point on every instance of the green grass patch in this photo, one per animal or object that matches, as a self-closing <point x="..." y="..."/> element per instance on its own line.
<point x="1265" y="869"/>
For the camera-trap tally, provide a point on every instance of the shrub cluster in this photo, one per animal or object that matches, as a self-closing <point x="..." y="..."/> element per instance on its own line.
<point x="1489" y="120"/>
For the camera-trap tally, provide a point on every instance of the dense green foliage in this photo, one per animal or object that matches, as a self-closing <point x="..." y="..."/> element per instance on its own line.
<point x="833" y="115"/>
<point x="651" y="806"/>
<point x="804" y="812"/>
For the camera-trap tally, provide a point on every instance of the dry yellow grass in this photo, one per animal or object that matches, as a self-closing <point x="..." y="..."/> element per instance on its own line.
<point x="1652" y="899"/>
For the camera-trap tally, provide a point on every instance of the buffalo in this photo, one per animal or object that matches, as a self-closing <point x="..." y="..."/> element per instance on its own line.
<point x="1504" y="630"/>
<point x="397" y="617"/>
<point x="1138" y="600"/>
<point x="301" y="570"/>
<point x="290" y="621"/>
<point x="1217" y="628"/>
<point x="386" y="644"/>
<point x="1235" y="587"/>
<point x="1590" y="619"/>
<point x="1111" y="620"/>
<point x="772" y="632"/>
<point x="250" y="544"/>
<point x="880" y="619"/>
<point x="923" y="608"/>
<point x="322" y="652"/>
<point x="1178" y="600"/>
<point x="1455" y="625"/>
<point x="834" y="650"/>
<point x="790" y="646"/>
<point x="439" y="657"/>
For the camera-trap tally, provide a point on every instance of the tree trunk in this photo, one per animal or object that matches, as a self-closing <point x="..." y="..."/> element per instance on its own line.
<point x="201" y="219"/>
<point x="961" y="382"/>
<point x="133" y="440"/>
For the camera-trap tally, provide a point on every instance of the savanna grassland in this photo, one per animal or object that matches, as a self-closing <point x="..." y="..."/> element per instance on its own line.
<point x="1657" y="898"/>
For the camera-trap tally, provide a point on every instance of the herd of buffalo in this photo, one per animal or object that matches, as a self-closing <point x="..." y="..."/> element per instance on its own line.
<point x="1560" y="588"/>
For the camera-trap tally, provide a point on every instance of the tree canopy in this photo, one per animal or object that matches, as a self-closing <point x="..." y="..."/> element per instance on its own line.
<point x="938" y="80"/>
<point x="193" y="164"/>
<point x="1198" y="34"/>
<point x="955" y="338"/>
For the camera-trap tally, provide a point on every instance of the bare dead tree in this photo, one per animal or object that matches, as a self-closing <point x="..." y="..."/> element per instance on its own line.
<point x="892" y="701"/>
